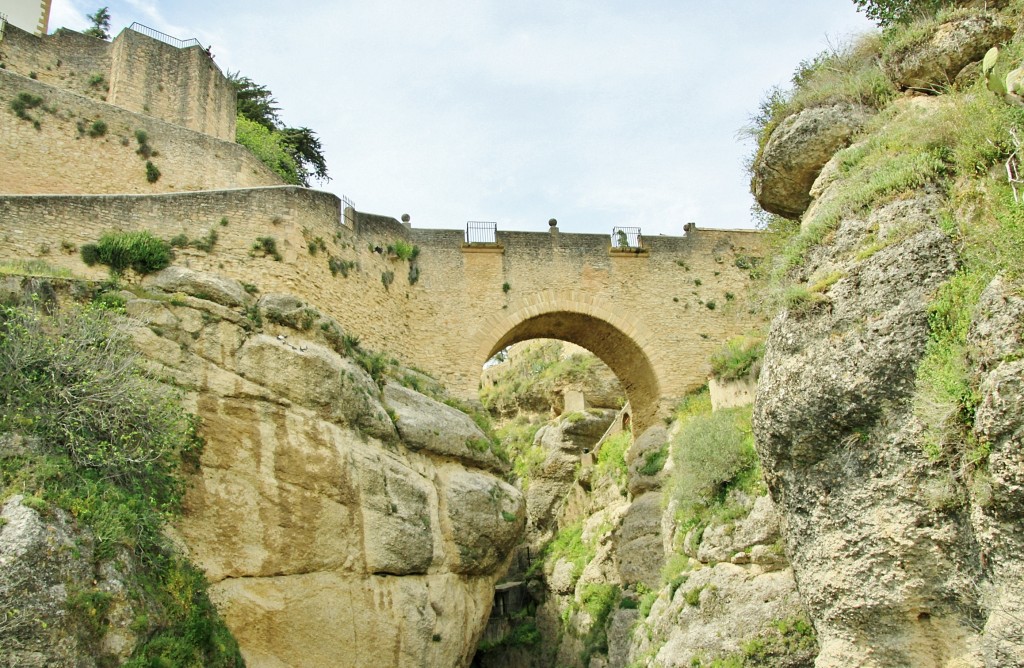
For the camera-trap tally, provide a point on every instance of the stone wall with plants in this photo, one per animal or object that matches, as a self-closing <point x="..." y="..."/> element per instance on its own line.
<point x="57" y="141"/>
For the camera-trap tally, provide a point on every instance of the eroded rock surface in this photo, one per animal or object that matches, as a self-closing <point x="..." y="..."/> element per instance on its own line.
<point x="330" y="536"/>
<point x="951" y="47"/>
<point x="795" y="153"/>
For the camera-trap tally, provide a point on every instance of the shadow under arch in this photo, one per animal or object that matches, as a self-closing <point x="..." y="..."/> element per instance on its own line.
<point x="618" y="340"/>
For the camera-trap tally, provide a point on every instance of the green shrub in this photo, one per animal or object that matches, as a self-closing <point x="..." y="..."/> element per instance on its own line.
<point x="98" y="129"/>
<point x="598" y="600"/>
<point x="654" y="461"/>
<point x="890" y="12"/>
<point x="269" y="146"/>
<point x="112" y="446"/>
<point x="387" y="278"/>
<point x="737" y="357"/>
<point x="268" y="246"/>
<point x="23" y="102"/>
<point x="611" y="458"/>
<point x="712" y="454"/>
<point x="72" y="380"/>
<point x="338" y="266"/>
<point x="152" y="172"/>
<point x="404" y="250"/>
<point x="568" y="545"/>
<point x="140" y="251"/>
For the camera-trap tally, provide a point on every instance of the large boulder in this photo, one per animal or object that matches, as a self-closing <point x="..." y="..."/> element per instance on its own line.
<point x="426" y="424"/>
<point x="218" y="289"/>
<point x="316" y="377"/>
<point x="798" y="148"/>
<point x="935" y="63"/>
<point x="483" y="517"/>
<point x="639" y="544"/>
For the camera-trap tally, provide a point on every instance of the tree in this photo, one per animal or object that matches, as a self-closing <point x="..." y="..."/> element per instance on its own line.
<point x="254" y="101"/>
<point x="889" y="12"/>
<point x="100" y="24"/>
<point x="295" y="154"/>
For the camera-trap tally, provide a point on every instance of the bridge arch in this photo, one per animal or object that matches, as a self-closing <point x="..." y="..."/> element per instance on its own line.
<point x="608" y="331"/>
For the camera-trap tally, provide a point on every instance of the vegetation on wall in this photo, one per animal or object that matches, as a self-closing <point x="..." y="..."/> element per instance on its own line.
<point x="140" y="251"/>
<point x="109" y="445"/>
<point x="738" y="357"/>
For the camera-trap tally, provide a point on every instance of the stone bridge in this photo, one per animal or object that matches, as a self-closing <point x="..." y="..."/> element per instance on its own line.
<point x="654" y="314"/>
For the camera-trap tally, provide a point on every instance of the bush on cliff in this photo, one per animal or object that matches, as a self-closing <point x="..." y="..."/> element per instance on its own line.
<point x="107" y="447"/>
<point x="713" y="453"/>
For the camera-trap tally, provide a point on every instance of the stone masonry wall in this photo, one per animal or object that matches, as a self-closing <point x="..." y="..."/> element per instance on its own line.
<point x="60" y="157"/>
<point x="180" y="86"/>
<point x="657" y="306"/>
<point x="66" y="59"/>
<point x="135" y="72"/>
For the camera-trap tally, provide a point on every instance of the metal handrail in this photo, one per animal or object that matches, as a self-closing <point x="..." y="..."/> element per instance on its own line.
<point x="627" y="238"/>
<point x="164" y="37"/>
<point x="480" y="232"/>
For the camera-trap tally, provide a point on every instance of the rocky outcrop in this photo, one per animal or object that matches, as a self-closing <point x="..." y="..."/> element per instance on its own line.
<point x="792" y="158"/>
<point x="564" y="441"/>
<point x="884" y="568"/>
<point x="52" y="591"/>
<point x="330" y="536"/>
<point x="997" y="516"/>
<point x="935" y="63"/>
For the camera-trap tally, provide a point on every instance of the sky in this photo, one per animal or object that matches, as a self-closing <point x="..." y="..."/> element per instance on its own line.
<point x="599" y="114"/>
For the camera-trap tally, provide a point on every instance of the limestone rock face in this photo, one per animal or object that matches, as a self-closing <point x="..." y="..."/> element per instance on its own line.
<point x="640" y="552"/>
<point x="887" y="556"/>
<point x="724" y="542"/>
<point x="330" y="537"/>
<point x="638" y="456"/>
<point x="564" y="443"/>
<point x="997" y="515"/>
<point x="220" y="290"/>
<point x="718" y="609"/>
<point x="952" y="46"/>
<point x="796" y="152"/>
<point x="426" y="424"/>
<point x="485" y="517"/>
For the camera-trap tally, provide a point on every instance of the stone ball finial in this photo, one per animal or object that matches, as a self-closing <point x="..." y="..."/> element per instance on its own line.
<point x="405" y="218"/>
<point x="553" y="223"/>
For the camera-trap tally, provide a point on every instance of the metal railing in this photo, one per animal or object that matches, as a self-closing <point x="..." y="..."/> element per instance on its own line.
<point x="479" y="232"/>
<point x="627" y="238"/>
<point x="346" y="203"/>
<point x="164" y="37"/>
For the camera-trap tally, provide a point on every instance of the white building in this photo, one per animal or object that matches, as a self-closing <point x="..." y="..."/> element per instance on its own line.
<point x="29" y="15"/>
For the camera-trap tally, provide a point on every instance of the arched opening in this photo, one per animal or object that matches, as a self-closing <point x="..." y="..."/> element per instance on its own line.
<point x="622" y="353"/>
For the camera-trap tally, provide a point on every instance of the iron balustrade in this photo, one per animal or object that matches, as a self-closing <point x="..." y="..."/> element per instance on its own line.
<point x="164" y="37"/>
<point x="627" y="238"/>
<point x="479" y="232"/>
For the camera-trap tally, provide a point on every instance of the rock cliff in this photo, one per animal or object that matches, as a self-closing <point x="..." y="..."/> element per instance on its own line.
<point x="888" y="411"/>
<point x="341" y="518"/>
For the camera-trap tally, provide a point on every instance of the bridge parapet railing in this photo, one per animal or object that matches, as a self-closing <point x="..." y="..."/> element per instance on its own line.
<point x="627" y="239"/>
<point x="481" y="232"/>
<point x="164" y="37"/>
